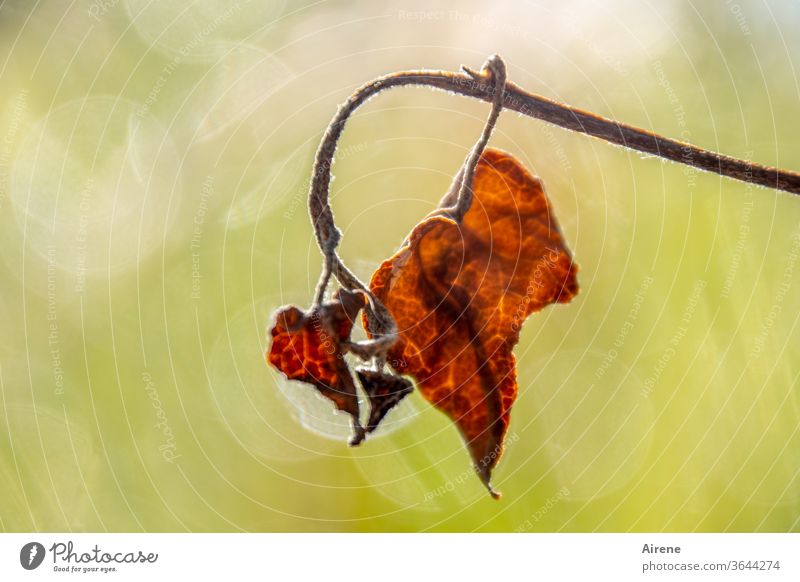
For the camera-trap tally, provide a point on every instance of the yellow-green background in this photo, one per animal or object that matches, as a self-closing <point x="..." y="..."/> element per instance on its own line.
<point x="154" y="159"/>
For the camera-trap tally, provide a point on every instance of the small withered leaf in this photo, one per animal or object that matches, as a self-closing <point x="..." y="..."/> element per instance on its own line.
<point x="308" y="346"/>
<point x="384" y="390"/>
<point x="460" y="291"/>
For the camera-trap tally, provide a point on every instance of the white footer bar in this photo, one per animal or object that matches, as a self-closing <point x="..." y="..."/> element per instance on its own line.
<point x="400" y="557"/>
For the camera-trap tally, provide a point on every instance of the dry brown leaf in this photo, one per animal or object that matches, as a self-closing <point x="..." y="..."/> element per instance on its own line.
<point x="460" y="292"/>
<point x="309" y="346"/>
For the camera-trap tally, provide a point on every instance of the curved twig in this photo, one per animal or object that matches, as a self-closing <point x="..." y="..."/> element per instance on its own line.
<point x="481" y="86"/>
<point x="497" y="69"/>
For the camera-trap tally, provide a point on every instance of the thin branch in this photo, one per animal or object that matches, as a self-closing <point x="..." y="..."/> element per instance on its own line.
<point x="485" y="86"/>
<point x="479" y="86"/>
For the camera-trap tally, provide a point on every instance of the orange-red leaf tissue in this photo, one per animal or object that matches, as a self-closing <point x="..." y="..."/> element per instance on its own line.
<point x="460" y="292"/>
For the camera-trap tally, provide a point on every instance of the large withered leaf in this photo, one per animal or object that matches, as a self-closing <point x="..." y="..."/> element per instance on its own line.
<point x="461" y="291"/>
<point x="307" y="346"/>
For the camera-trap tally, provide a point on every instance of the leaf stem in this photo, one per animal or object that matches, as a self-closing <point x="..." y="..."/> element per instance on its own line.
<point x="497" y="69"/>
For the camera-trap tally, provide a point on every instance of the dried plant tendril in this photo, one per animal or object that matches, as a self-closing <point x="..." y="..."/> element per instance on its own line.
<point x="310" y="346"/>
<point x="464" y="280"/>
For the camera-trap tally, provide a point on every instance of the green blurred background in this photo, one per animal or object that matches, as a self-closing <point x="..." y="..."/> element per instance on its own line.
<point x="154" y="160"/>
